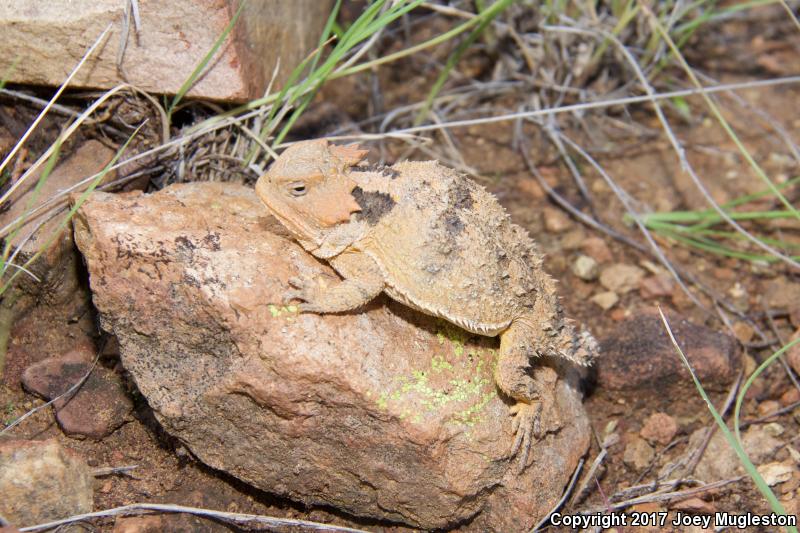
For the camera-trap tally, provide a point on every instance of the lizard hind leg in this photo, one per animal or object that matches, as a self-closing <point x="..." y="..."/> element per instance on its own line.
<point x="528" y="387"/>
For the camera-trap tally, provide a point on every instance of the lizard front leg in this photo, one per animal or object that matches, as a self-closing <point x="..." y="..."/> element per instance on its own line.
<point x="528" y="387"/>
<point x="362" y="281"/>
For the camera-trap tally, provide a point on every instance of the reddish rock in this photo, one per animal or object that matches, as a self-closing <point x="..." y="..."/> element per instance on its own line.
<point x="382" y="412"/>
<point x="40" y="481"/>
<point x="597" y="249"/>
<point x="555" y="220"/>
<point x="160" y="54"/>
<point x="621" y="278"/>
<point x="638" y="354"/>
<point x="656" y="286"/>
<point x="694" y="506"/>
<point x="659" y="428"/>
<point x="98" y="408"/>
<point x="638" y="454"/>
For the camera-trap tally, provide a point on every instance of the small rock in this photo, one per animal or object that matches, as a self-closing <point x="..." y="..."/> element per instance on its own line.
<point x="638" y="354"/>
<point x="791" y="396"/>
<point x="774" y="429"/>
<point x="774" y="473"/>
<point x="40" y="481"/>
<point x="693" y="505"/>
<point x="585" y="268"/>
<point x="781" y="293"/>
<point x="768" y="407"/>
<point x="743" y="331"/>
<point x="96" y="410"/>
<point x="638" y="454"/>
<point x="659" y="428"/>
<point x="555" y="221"/>
<point x="573" y="239"/>
<point x="720" y="460"/>
<point x="657" y="286"/>
<point x="597" y="249"/>
<point x="618" y="315"/>
<point x="621" y="277"/>
<point x="606" y="300"/>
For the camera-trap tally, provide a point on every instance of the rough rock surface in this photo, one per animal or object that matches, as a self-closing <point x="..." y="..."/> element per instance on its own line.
<point x="382" y="412"/>
<point x="638" y="354"/>
<point x="96" y="409"/>
<point x="162" y="52"/>
<point x="40" y="481"/>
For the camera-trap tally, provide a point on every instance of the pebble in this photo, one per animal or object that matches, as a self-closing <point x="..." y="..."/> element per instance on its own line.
<point x="606" y="300"/>
<point x="775" y="473"/>
<point x="585" y="268"/>
<point x="573" y="239"/>
<point x="597" y="249"/>
<point x="657" y="286"/>
<point x="638" y="454"/>
<point x="99" y="407"/>
<point x="774" y="429"/>
<point x="768" y="407"/>
<point x="721" y="462"/>
<point x="659" y="428"/>
<point x="743" y="331"/>
<point x="621" y="277"/>
<point x="693" y="505"/>
<point x="792" y="395"/>
<point x="555" y="221"/>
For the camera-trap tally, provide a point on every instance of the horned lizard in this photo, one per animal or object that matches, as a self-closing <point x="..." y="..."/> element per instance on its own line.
<point x="434" y="240"/>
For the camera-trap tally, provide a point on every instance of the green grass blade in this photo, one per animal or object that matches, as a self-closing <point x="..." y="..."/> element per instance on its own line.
<point x="48" y="168"/>
<point x="733" y="441"/>
<point x="742" y="393"/>
<point x="201" y="66"/>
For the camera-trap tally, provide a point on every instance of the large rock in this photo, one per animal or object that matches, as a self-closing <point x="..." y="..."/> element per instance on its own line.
<point x="382" y="413"/>
<point x="40" y="481"/>
<point x="171" y="41"/>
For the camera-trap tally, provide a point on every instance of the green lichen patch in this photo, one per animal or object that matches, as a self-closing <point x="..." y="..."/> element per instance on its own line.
<point x="283" y="310"/>
<point x="456" y="384"/>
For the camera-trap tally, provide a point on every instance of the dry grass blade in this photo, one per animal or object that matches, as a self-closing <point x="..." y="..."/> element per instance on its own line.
<point x="585" y="106"/>
<point x="239" y="519"/>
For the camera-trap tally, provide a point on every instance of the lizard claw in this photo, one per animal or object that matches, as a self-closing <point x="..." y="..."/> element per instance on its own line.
<point x="301" y="290"/>
<point x="526" y="425"/>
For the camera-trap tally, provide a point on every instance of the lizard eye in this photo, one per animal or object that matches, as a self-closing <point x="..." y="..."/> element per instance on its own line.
<point x="297" y="188"/>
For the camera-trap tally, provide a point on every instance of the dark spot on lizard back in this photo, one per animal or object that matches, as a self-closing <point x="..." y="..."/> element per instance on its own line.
<point x="461" y="196"/>
<point x="460" y="199"/>
<point x="385" y="171"/>
<point x="374" y="205"/>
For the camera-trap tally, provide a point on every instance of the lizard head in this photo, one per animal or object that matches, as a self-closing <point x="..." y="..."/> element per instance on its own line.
<point x="308" y="189"/>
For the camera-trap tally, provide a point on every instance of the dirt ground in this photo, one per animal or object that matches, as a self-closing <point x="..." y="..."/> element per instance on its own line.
<point x="630" y="146"/>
